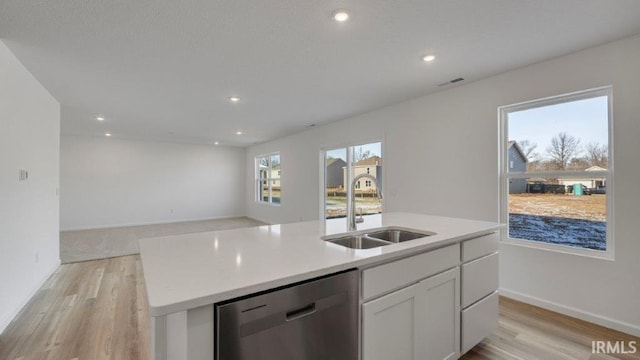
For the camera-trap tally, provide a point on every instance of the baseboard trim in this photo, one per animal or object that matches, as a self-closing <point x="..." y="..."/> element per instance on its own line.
<point x="261" y="220"/>
<point x="7" y="320"/>
<point x="172" y="221"/>
<point x="573" y="312"/>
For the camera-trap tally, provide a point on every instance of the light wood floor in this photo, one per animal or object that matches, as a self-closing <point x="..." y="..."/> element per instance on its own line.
<point x="89" y="310"/>
<point x="97" y="310"/>
<point x="529" y="332"/>
<point x="83" y="245"/>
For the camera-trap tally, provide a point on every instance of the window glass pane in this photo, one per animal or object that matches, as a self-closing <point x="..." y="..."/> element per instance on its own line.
<point x="263" y="167"/>
<point x="275" y="165"/>
<point x="276" y="173"/>
<point x="570" y="211"/>
<point x="367" y="159"/>
<point x="264" y="191"/>
<point x="570" y="136"/>
<point x="335" y="178"/>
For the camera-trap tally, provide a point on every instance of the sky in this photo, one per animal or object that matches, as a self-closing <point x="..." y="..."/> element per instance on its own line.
<point x="374" y="148"/>
<point x="584" y="119"/>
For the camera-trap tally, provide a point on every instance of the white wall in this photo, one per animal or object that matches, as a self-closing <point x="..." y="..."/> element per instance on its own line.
<point x="29" y="218"/>
<point x="446" y="145"/>
<point x="113" y="182"/>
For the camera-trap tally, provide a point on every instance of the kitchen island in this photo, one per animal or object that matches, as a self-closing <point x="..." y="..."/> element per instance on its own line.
<point x="185" y="275"/>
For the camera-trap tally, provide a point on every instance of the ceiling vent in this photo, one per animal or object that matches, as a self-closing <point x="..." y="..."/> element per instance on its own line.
<point x="457" y="80"/>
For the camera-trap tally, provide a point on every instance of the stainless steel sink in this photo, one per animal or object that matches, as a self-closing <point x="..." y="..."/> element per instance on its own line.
<point x="395" y="235"/>
<point x="359" y="242"/>
<point x="374" y="238"/>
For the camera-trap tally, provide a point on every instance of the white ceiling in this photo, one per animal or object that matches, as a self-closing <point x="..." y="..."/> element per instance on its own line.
<point x="164" y="69"/>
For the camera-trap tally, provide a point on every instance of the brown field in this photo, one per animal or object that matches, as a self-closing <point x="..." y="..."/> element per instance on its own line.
<point x="588" y="207"/>
<point x="336" y="206"/>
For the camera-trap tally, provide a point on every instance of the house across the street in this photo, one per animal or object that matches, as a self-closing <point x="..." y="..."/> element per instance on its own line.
<point x="372" y="166"/>
<point x="517" y="163"/>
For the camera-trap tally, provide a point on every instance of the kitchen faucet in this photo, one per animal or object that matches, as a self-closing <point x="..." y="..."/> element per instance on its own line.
<point x="352" y="214"/>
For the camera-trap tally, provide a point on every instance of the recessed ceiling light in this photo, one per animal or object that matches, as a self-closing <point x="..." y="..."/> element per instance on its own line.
<point x="428" y="58"/>
<point x="234" y="99"/>
<point x="107" y="134"/>
<point x="216" y="143"/>
<point x="238" y="132"/>
<point x="99" y="118"/>
<point x="340" y="15"/>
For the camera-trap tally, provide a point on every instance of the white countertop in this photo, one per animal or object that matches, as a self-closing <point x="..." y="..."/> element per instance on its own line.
<point x="186" y="271"/>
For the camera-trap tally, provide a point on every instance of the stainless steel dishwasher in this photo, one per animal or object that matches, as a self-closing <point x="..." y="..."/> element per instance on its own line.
<point x="317" y="319"/>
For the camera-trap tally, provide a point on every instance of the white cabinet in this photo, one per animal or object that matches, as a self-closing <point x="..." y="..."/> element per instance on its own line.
<point x="435" y="305"/>
<point x="441" y="337"/>
<point x="479" y="289"/>
<point x="479" y="278"/>
<point x="398" y="274"/>
<point x="421" y="321"/>
<point x="389" y="326"/>
<point x="478" y="321"/>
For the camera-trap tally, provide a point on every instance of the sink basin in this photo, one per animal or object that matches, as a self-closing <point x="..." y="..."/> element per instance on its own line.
<point x="359" y="242"/>
<point x="397" y="235"/>
<point x="374" y="238"/>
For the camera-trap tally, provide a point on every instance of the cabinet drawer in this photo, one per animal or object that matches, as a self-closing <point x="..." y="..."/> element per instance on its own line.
<point x="479" y="247"/>
<point x="479" y="278"/>
<point x="479" y="321"/>
<point x="400" y="273"/>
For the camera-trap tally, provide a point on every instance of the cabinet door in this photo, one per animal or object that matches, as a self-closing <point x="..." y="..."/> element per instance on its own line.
<point x="389" y="326"/>
<point x="439" y="327"/>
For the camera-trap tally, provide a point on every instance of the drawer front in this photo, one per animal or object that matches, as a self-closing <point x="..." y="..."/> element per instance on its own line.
<point x="479" y="278"/>
<point x="397" y="274"/>
<point x="479" y="321"/>
<point x="479" y="247"/>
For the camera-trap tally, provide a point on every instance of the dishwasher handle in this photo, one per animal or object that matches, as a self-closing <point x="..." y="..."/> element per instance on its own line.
<point x="301" y="312"/>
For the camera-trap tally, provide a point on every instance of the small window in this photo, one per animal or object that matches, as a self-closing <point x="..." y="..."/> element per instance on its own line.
<point x="268" y="178"/>
<point x="557" y="166"/>
<point x="368" y="171"/>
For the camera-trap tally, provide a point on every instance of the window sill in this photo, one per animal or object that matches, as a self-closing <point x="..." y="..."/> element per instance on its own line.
<point x="563" y="249"/>
<point x="267" y="203"/>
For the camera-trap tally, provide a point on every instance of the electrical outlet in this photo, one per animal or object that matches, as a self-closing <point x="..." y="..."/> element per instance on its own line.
<point x="23" y="175"/>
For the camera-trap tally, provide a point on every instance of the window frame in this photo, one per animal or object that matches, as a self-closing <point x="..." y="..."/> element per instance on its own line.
<point x="505" y="175"/>
<point x="270" y="181"/>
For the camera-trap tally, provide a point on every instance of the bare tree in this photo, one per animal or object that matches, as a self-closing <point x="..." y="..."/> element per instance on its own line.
<point x="360" y="154"/>
<point x="563" y="149"/>
<point x="528" y="148"/>
<point x="597" y="155"/>
<point x="578" y="163"/>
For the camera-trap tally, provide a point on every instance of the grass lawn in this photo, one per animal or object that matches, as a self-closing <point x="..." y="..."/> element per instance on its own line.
<point x="564" y="219"/>
<point x="589" y="207"/>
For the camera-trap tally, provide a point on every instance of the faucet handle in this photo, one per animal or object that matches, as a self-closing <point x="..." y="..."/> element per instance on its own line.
<point x="360" y="219"/>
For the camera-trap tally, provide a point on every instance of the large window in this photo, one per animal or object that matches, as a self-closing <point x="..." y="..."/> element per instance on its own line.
<point x="341" y="166"/>
<point x="268" y="173"/>
<point x="556" y="168"/>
